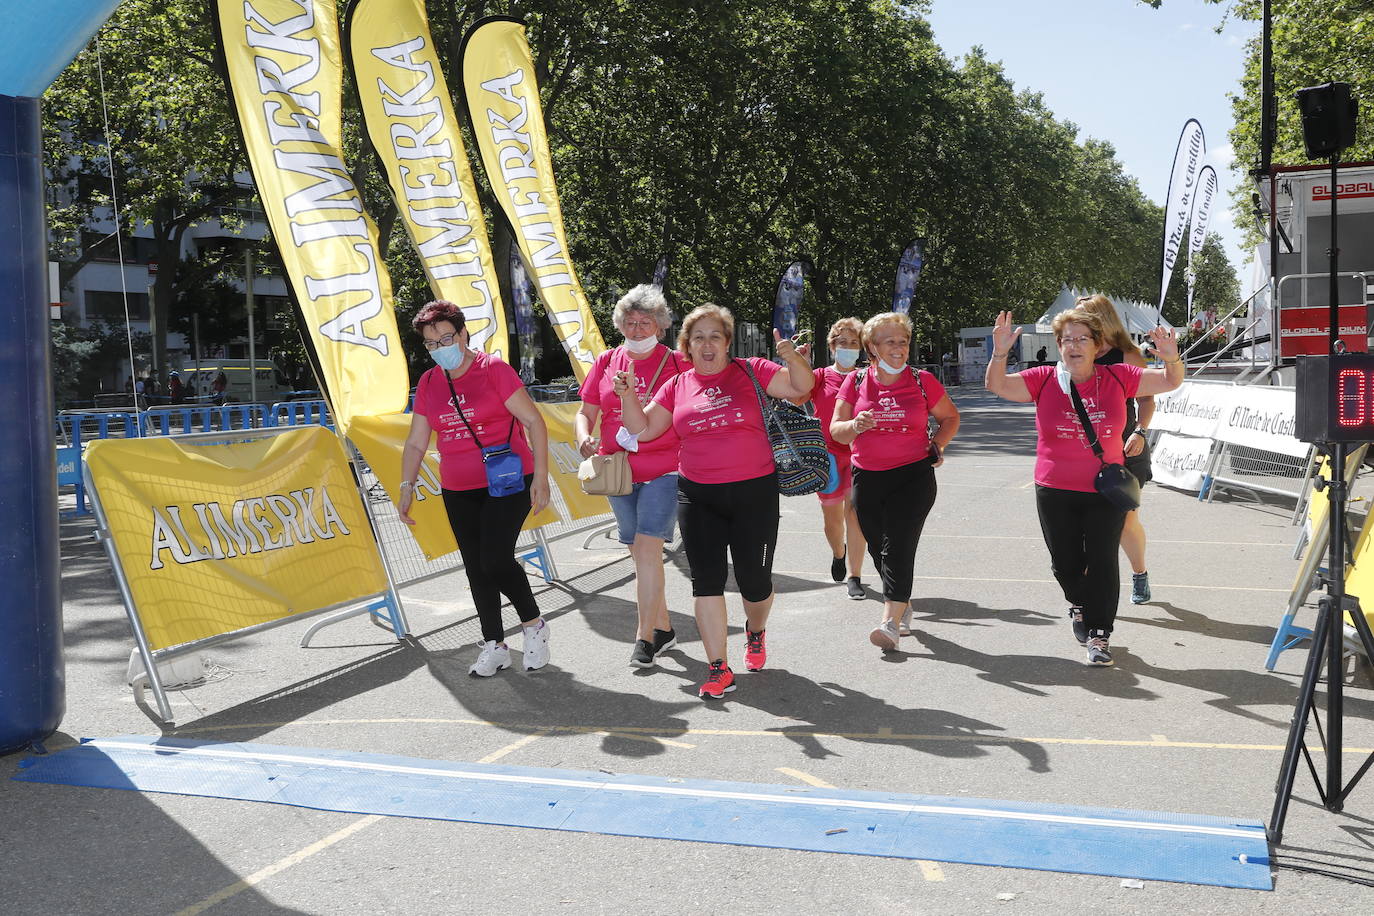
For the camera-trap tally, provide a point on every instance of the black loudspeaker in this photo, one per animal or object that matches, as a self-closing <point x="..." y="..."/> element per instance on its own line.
<point x="1328" y="119"/>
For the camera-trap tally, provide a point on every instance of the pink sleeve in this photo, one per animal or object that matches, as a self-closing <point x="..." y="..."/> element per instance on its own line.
<point x="506" y="379"/>
<point x="423" y="395"/>
<point x="590" y="392"/>
<point x="849" y="389"/>
<point x="667" y="393"/>
<point x="1035" y="379"/>
<point x="1131" y="382"/>
<point x="764" y="370"/>
<point x="935" y="392"/>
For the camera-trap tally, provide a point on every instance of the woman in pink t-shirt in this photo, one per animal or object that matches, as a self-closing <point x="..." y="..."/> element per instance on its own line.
<point x="1081" y="527"/>
<point x="645" y="515"/>
<point x="471" y="400"/>
<point x="840" y="522"/>
<point x="727" y="485"/>
<point x="883" y="413"/>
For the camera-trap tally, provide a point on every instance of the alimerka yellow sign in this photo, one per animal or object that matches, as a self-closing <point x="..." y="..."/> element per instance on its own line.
<point x="410" y="119"/>
<point x="286" y="81"/>
<point x="218" y="537"/>
<point x="508" y="125"/>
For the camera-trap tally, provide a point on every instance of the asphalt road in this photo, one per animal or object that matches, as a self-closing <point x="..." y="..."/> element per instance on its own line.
<point x="988" y="698"/>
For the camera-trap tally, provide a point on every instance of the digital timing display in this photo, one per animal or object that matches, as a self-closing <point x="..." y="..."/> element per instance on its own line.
<point x="1335" y="398"/>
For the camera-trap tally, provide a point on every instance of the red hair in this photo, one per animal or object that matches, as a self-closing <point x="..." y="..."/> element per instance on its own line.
<point x="434" y="312"/>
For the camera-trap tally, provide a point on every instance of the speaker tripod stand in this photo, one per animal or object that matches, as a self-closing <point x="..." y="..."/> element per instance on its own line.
<point x="1328" y="644"/>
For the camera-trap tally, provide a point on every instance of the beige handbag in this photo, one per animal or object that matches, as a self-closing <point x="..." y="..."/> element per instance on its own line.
<point x="606" y="475"/>
<point x="610" y="475"/>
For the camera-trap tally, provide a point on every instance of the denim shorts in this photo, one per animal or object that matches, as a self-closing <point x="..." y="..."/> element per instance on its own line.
<point x="650" y="508"/>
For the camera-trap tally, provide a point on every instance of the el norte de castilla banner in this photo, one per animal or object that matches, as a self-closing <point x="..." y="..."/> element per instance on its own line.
<point x="284" y="68"/>
<point x="412" y="126"/>
<point x="508" y="124"/>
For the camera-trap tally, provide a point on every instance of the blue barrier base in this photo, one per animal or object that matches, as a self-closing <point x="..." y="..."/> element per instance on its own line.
<point x="1129" y="844"/>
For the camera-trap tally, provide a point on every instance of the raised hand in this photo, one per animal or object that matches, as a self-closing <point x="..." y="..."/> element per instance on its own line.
<point x="1004" y="334"/>
<point x="624" y="381"/>
<point x="779" y="341"/>
<point x="1164" y="343"/>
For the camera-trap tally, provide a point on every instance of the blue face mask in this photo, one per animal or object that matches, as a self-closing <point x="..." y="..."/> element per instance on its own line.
<point x="891" y="370"/>
<point x="845" y="358"/>
<point x="450" y="357"/>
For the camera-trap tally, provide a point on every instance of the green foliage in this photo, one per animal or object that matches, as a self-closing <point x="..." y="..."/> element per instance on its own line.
<point x="734" y="137"/>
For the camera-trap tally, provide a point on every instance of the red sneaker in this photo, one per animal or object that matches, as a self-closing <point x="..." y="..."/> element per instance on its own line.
<point x="755" y="652"/>
<point x="719" y="682"/>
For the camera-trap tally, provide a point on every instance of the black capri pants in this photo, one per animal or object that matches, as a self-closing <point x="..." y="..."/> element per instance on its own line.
<point x="487" y="528"/>
<point x="892" y="507"/>
<point x="1083" y="532"/>
<point x="741" y="516"/>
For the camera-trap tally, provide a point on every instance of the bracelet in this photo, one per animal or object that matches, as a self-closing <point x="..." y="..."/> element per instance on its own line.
<point x="1000" y="355"/>
<point x="407" y="485"/>
<point x="1170" y="362"/>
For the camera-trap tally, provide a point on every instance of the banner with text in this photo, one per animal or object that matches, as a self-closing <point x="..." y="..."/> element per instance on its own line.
<point x="1202" y="215"/>
<point x="410" y="121"/>
<point x="219" y="537"/>
<point x="508" y="124"/>
<point x="1191" y="409"/>
<point x="1180" y="461"/>
<point x="285" y="79"/>
<point x="1178" y="204"/>
<point x="1262" y="418"/>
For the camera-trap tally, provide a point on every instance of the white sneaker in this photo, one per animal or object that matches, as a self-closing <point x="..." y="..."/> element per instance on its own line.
<point x="904" y="628"/>
<point x="884" y="636"/>
<point x="536" y="647"/>
<point x="494" y="657"/>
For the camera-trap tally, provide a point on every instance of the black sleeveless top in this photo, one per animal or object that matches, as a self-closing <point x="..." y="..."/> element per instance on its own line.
<point x="1111" y="358"/>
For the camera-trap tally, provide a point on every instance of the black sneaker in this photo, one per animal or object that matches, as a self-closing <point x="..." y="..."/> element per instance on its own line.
<point x="837" y="567"/>
<point x="1080" y="629"/>
<point x="643" y="654"/>
<point x="1098" y="651"/>
<point x="1140" y="587"/>
<point x="664" y="640"/>
<point x="856" y="589"/>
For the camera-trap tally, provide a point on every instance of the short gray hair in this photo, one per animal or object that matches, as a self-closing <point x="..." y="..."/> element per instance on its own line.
<point x="645" y="298"/>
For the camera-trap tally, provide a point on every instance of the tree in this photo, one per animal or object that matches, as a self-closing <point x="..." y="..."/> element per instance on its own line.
<point x="173" y="146"/>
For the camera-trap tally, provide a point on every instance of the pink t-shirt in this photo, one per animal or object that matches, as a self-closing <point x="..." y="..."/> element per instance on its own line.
<point x="654" y="458"/>
<point x="899" y="435"/>
<point x="482" y="392"/>
<point x="719" y="421"/>
<point x="828" y="382"/>
<point x="1063" y="458"/>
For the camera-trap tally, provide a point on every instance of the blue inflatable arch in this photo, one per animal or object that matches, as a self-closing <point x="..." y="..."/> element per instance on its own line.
<point x="39" y="39"/>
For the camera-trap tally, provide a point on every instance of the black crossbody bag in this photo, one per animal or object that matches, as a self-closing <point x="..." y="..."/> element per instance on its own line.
<point x="1113" y="481"/>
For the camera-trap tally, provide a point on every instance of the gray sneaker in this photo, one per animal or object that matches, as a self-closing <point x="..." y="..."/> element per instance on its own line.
<point x="885" y="636"/>
<point x="1140" y="587"/>
<point x="1098" y="651"/>
<point x="904" y="628"/>
<point x="1080" y="629"/>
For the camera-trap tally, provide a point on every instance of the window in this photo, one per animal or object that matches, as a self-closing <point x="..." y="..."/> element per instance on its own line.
<point x="108" y="305"/>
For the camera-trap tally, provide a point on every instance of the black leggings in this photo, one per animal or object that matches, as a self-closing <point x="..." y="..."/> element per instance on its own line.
<point x="892" y="507"/>
<point x="742" y="516"/>
<point x="1083" y="532"/>
<point x="487" y="528"/>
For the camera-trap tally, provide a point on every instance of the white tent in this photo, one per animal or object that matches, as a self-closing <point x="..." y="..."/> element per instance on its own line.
<point x="1138" y="317"/>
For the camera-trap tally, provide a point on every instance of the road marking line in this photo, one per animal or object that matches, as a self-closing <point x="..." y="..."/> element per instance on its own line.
<point x="280" y="865"/>
<point x="784" y="733"/>
<point x="513" y="746"/>
<point x="805" y="777"/>
<point x="301" y="855"/>
<point x="930" y="870"/>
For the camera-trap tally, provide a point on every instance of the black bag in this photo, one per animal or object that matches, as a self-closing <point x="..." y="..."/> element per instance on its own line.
<point x="1113" y="480"/>
<point x="799" y="452"/>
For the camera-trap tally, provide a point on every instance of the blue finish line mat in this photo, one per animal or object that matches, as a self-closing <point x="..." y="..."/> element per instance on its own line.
<point x="1094" y="841"/>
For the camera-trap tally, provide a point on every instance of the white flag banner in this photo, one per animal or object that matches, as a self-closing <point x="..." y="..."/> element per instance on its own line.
<point x="1180" y="461"/>
<point x="1178" y="205"/>
<point x="1202" y="214"/>
<point x="1192" y="409"/>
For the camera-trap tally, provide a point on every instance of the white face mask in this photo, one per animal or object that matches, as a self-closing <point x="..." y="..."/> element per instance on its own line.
<point x="640" y="347"/>
<point x="845" y="358"/>
<point x="891" y="370"/>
